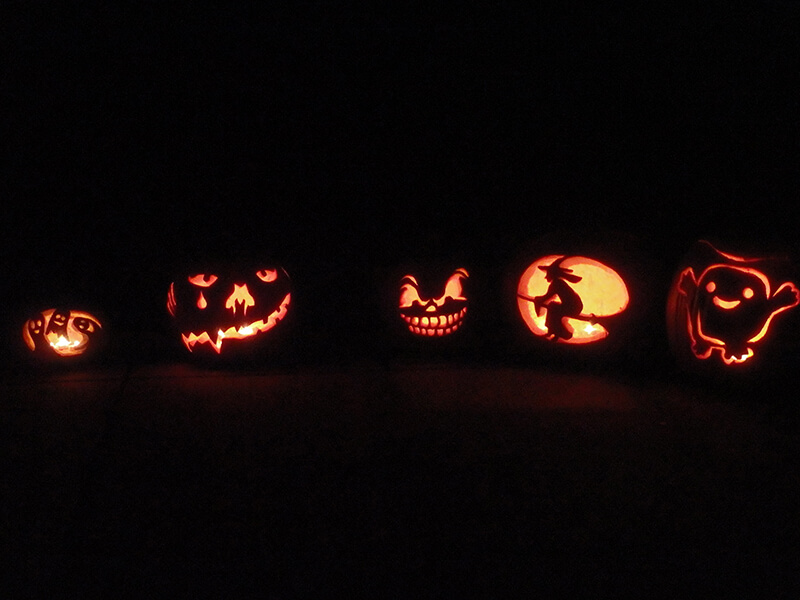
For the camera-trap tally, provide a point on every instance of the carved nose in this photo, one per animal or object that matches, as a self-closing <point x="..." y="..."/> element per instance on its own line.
<point x="240" y="297"/>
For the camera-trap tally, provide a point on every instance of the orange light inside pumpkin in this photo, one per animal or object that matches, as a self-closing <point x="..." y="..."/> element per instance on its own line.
<point x="730" y="307"/>
<point x="66" y="332"/>
<point x="235" y="304"/>
<point x="566" y="298"/>
<point x="237" y="333"/>
<point x="433" y="317"/>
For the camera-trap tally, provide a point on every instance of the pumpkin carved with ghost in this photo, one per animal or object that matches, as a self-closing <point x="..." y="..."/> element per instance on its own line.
<point x="729" y="305"/>
<point x="62" y="333"/>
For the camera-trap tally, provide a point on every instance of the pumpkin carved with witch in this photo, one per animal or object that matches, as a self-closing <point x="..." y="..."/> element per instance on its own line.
<point x="585" y="296"/>
<point x="568" y="299"/>
<point x="223" y="310"/>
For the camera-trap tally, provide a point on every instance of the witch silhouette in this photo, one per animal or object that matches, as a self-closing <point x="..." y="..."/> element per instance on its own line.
<point x="560" y="300"/>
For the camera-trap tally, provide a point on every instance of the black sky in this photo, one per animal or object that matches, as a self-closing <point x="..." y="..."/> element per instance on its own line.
<point x="342" y="142"/>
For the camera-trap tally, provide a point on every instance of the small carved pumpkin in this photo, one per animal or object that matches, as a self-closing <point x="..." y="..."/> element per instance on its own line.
<point x="218" y="309"/>
<point x="61" y="332"/>
<point x="585" y="297"/>
<point x="567" y="299"/>
<point x="434" y="316"/>
<point x="723" y="308"/>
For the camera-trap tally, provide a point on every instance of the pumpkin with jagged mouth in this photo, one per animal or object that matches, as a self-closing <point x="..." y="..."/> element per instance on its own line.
<point x="435" y="316"/>
<point x="216" y="310"/>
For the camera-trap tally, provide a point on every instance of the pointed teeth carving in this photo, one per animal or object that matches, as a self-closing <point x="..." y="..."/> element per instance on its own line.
<point x="435" y="325"/>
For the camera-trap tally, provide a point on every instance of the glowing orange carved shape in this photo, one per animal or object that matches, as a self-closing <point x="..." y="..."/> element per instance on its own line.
<point x="730" y="307"/>
<point x="434" y="317"/>
<point x="67" y="333"/>
<point x="566" y="298"/>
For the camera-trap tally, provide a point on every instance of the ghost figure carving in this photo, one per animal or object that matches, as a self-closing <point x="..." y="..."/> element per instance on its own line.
<point x="730" y="306"/>
<point x="61" y="332"/>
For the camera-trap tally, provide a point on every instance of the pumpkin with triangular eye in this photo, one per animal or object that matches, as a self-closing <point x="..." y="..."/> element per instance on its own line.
<point x="223" y="310"/>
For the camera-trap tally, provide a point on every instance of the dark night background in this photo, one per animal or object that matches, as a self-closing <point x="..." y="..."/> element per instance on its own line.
<point x="342" y="143"/>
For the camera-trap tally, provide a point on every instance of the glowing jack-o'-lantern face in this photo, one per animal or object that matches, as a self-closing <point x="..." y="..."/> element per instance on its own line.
<point x="213" y="310"/>
<point x="568" y="299"/>
<point x="730" y="306"/>
<point x="434" y="317"/>
<point x="61" y="332"/>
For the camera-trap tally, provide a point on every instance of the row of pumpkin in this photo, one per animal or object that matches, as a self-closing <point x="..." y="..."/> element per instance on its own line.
<point x="722" y="310"/>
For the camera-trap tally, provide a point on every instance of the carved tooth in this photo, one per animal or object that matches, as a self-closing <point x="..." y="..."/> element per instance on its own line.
<point x="415" y="320"/>
<point x="424" y="321"/>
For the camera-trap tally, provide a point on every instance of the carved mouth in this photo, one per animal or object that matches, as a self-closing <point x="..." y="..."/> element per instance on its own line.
<point x="725" y="304"/>
<point x="237" y="333"/>
<point x="435" y="325"/>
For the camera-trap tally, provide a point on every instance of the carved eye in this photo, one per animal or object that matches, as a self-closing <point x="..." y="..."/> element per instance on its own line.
<point x="202" y="280"/>
<point x="453" y="287"/>
<point x="267" y="275"/>
<point x="409" y="292"/>
<point x="748" y="292"/>
<point x="710" y="287"/>
<point x="83" y="324"/>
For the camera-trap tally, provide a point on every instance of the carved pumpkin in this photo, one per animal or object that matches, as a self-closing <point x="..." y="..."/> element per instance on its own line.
<point x="220" y="309"/>
<point x="723" y="308"/>
<point x="567" y="299"/>
<point x="434" y="316"/>
<point x="61" y="332"/>
<point x="585" y="297"/>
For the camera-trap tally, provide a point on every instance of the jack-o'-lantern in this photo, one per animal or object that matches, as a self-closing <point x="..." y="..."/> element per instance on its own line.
<point x="434" y="315"/>
<point x="218" y="310"/>
<point x="724" y="308"/>
<point x="585" y="298"/>
<point x="568" y="299"/>
<point x="62" y="333"/>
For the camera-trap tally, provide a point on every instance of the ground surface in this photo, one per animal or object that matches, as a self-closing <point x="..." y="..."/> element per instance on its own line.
<point x="393" y="481"/>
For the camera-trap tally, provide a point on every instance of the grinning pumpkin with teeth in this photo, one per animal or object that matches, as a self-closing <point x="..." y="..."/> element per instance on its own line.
<point x="219" y="309"/>
<point x="433" y="316"/>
